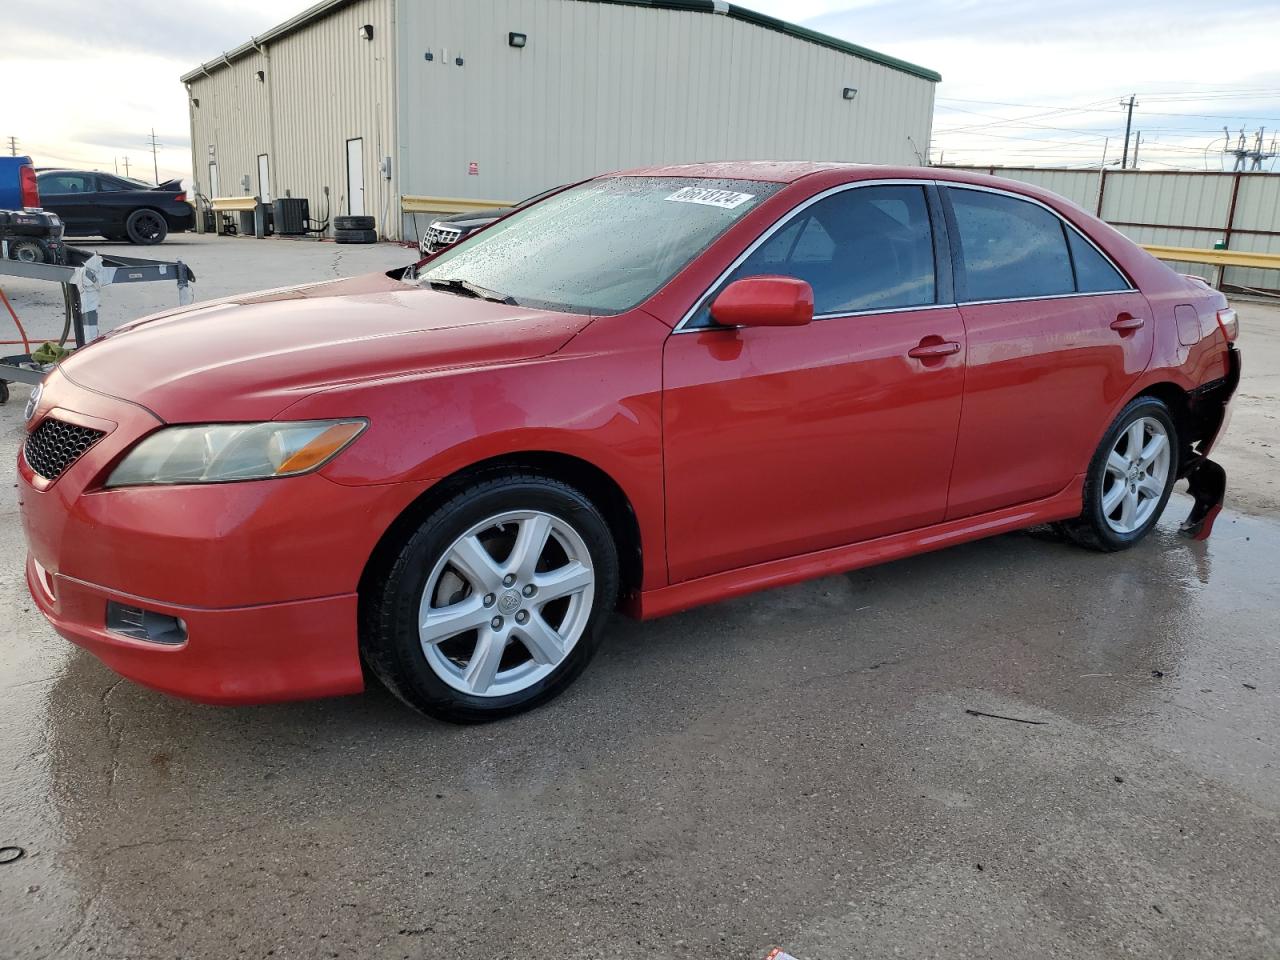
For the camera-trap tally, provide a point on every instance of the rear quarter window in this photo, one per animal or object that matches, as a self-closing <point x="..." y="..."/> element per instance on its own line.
<point x="1094" y="273"/>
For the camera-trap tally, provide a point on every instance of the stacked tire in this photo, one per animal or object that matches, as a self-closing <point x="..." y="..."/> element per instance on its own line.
<point x="354" y="229"/>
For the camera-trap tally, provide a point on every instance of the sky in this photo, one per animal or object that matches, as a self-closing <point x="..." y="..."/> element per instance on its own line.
<point x="1024" y="81"/>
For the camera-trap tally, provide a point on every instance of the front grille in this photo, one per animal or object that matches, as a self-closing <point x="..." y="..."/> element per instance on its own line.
<point x="440" y="237"/>
<point x="55" y="445"/>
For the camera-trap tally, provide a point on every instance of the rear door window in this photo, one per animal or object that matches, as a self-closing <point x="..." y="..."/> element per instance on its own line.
<point x="1011" y="249"/>
<point x="861" y="250"/>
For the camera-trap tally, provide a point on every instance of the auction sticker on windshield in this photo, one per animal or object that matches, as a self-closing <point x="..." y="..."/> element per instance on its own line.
<point x="728" y="199"/>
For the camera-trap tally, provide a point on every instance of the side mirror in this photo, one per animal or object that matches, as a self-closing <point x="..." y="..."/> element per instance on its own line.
<point x="764" y="302"/>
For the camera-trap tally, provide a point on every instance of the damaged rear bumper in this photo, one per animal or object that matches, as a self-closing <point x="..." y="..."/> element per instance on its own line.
<point x="1206" y="480"/>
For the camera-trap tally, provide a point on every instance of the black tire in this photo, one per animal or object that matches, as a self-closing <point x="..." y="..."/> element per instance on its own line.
<point x="146" y="227"/>
<point x="392" y="593"/>
<point x="1091" y="528"/>
<point x="355" y="236"/>
<point x="29" y="250"/>
<point x="4" y="391"/>
<point x="353" y="222"/>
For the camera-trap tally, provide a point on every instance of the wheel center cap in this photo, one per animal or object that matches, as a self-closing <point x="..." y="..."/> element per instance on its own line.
<point x="509" y="602"/>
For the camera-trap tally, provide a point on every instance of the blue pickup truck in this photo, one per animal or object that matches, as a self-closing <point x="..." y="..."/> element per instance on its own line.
<point x="27" y="233"/>
<point x="18" y="184"/>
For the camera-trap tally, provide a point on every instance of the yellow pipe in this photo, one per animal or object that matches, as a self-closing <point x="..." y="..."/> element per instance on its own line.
<point x="1227" y="258"/>
<point x="448" y="204"/>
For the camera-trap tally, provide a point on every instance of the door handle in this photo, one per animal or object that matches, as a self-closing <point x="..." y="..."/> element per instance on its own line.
<point x="1127" y="323"/>
<point x="933" y="349"/>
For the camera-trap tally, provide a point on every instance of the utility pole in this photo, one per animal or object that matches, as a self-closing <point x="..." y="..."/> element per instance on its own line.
<point x="1102" y="175"/>
<point x="126" y="166"/>
<point x="1137" y="143"/>
<point x="13" y="146"/>
<point x="1124" y="158"/>
<point x="155" y="163"/>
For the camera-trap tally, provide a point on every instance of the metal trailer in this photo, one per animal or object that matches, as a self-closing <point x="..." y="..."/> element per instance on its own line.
<point x="82" y="280"/>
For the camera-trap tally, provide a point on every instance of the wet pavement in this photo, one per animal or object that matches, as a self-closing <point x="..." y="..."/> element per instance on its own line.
<point x="795" y="768"/>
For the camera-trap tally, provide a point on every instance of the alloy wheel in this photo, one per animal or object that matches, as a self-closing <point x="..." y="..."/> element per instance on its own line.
<point x="147" y="227"/>
<point x="506" y="603"/>
<point x="1135" y="475"/>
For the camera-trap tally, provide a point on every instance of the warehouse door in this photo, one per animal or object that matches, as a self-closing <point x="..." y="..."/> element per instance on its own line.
<point x="355" y="177"/>
<point x="264" y="178"/>
<point x="213" y="180"/>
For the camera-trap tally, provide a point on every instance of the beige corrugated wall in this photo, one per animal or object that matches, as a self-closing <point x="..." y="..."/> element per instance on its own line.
<point x="324" y="85"/>
<point x="600" y="86"/>
<point x="604" y="86"/>
<point x="1176" y="209"/>
<point x="233" y="119"/>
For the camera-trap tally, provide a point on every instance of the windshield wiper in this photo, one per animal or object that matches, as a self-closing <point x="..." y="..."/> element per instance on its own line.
<point x="467" y="288"/>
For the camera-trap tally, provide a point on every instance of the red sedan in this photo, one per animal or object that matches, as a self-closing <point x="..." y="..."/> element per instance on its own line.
<point x="650" y="390"/>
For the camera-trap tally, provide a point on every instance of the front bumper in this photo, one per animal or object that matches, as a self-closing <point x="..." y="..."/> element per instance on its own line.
<point x="258" y="654"/>
<point x="263" y="573"/>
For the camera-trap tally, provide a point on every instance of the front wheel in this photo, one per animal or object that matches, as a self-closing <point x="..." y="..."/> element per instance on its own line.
<point x="495" y="603"/>
<point x="1130" y="478"/>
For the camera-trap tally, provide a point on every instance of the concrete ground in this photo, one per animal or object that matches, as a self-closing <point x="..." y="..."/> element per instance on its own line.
<point x="797" y="768"/>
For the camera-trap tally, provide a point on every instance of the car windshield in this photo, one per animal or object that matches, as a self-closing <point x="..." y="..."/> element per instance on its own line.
<point x="601" y="247"/>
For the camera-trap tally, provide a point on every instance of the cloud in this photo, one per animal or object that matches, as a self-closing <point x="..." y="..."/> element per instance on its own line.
<point x="188" y="32"/>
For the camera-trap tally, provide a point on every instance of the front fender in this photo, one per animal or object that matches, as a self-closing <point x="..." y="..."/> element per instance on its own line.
<point x="598" y="399"/>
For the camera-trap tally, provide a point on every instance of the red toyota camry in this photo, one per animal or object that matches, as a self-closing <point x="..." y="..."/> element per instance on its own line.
<point x="650" y="390"/>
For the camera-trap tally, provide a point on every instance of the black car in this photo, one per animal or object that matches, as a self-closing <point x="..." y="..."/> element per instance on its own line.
<point x="446" y="231"/>
<point x="115" y="207"/>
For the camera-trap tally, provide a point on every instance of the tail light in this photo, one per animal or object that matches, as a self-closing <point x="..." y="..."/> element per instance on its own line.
<point x="181" y="197"/>
<point x="30" y="191"/>
<point x="1229" y="324"/>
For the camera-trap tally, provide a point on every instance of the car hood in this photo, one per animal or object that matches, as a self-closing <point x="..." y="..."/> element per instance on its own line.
<point x="474" y="218"/>
<point x="249" y="357"/>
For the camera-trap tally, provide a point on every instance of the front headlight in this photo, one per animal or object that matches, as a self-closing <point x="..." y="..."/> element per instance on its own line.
<point x="220" y="452"/>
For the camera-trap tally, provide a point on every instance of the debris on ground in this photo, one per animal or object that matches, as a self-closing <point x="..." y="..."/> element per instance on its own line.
<point x="1001" y="716"/>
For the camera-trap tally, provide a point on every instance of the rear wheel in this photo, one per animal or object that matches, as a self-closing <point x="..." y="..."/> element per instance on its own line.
<point x="1130" y="478"/>
<point x="495" y="603"/>
<point x="146" y="227"/>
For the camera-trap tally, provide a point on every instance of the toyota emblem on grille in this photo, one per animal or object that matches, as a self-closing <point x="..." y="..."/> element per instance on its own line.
<point x="34" y="402"/>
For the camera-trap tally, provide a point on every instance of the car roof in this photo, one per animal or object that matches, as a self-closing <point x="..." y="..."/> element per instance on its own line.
<point x="775" y="171"/>
<point x="832" y="173"/>
<point x="790" y="171"/>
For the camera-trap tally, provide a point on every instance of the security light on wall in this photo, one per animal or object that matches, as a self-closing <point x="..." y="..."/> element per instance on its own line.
<point x="517" y="39"/>
<point x="195" y="102"/>
<point x="850" y="93"/>
<point x="366" y="32"/>
<point x="262" y="76"/>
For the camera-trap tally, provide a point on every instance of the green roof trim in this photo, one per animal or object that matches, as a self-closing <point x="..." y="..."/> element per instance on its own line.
<point x="324" y="7"/>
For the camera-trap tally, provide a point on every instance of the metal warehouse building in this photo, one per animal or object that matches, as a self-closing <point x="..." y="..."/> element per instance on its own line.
<point x="394" y="107"/>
